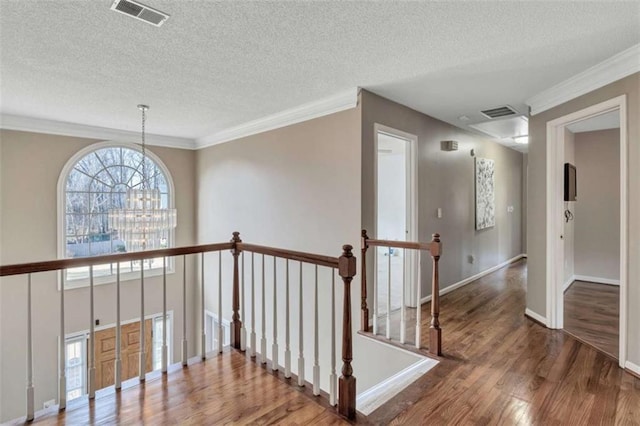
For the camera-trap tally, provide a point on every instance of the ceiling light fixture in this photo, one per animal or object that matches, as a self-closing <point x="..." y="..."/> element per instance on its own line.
<point x="143" y="224"/>
<point x="522" y="140"/>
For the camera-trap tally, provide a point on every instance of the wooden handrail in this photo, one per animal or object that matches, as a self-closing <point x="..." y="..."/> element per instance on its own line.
<point x="315" y="259"/>
<point x="434" y="247"/>
<point x="411" y="245"/>
<point x="54" y="265"/>
<point x="345" y="265"/>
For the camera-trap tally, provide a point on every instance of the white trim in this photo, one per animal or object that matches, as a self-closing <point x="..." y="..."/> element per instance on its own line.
<point x="85" y="332"/>
<point x="554" y="188"/>
<point x="39" y="125"/>
<point x="472" y="278"/>
<point x="368" y="401"/>
<point x="528" y="312"/>
<point x="412" y="264"/>
<point x="568" y="283"/>
<point x="615" y="68"/>
<point x="61" y="199"/>
<point x="336" y="103"/>
<point x="597" y="280"/>
<point x="632" y="367"/>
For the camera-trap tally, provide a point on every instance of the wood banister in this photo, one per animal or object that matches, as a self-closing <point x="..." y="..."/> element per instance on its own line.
<point x="347" y="382"/>
<point x="315" y="259"/>
<point x="434" y="247"/>
<point x="435" y="333"/>
<point x="236" y="325"/>
<point x="397" y="244"/>
<point x="54" y="265"/>
<point x="364" y="310"/>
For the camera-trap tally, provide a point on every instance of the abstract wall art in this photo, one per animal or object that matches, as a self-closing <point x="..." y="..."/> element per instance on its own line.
<point x="485" y="193"/>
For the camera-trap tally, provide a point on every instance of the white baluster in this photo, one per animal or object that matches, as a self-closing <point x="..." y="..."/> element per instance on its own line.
<point x="403" y="324"/>
<point x="203" y="337"/>
<point x="263" y="340"/>
<point x="243" y="315"/>
<point x="165" y="349"/>
<point x="287" y="347"/>
<point x="333" y="378"/>
<point x="316" y="342"/>
<point x="375" y="292"/>
<point x="389" y="294"/>
<point x="274" y="345"/>
<point x="118" y="361"/>
<point x="220" y="331"/>
<point x="184" y="310"/>
<point x="418" y="304"/>
<point x="142" y="369"/>
<point x="253" y="308"/>
<point x="62" y="376"/>
<point x="301" y="337"/>
<point x="30" y="402"/>
<point x="92" y="355"/>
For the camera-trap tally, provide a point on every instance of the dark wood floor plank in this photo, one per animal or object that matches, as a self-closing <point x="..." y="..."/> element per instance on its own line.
<point x="591" y="313"/>
<point x="502" y="368"/>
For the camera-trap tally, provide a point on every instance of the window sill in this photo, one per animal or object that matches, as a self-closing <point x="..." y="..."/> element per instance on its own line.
<point x="111" y="279"/>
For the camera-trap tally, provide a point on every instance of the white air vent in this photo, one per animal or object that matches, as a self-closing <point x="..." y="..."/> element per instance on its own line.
<point x="140" y="11"/>
<point x="503" y="111"/>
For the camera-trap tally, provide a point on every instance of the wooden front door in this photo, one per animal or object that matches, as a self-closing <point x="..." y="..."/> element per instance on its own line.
<point x="105" y="350"/>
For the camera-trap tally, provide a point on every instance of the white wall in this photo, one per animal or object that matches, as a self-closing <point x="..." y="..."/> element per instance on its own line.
<point x="392" y="212"/>
<point x="30" y="166"/>
<point x="597" y="223"/>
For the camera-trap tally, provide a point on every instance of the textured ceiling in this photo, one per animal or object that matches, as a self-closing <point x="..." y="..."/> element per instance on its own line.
<point x="214" y="65"/>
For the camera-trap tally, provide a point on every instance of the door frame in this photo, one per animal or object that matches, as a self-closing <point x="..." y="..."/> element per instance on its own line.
<point x="411" y="208"/>
<point x="555" y="188"/>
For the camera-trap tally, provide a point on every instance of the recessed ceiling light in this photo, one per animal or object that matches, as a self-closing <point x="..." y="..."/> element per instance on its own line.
<point x="523" y="140"/>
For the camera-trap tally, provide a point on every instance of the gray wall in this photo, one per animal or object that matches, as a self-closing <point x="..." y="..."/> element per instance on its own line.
<point x="597" y="220"/>
<point x="536" y="229"/>
<point x="30" y="166"/>
<point x="297" y="187"/>
<point x="446" y="180"/>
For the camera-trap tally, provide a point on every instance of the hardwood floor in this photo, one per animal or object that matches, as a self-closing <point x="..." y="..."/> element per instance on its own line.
<point x="226" y="389"/>
<point x="502" y="368"/>
<point x="499" y="368"/>
<point x="592" y="314"/>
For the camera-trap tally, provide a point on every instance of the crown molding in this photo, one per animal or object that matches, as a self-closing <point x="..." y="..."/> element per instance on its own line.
<point x="615" y="68"/>
<point x="37" y="125"/>
<point x="336" y="103"/>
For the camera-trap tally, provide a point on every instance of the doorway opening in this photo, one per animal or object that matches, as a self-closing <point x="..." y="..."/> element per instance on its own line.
<point x="587" y="226"/>
<point x="396" y="272"/>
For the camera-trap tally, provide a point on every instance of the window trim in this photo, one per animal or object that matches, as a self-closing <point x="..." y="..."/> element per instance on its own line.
<point x="60" y="217"/>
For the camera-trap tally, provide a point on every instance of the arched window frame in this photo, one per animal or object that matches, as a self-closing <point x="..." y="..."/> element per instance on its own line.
<point x="61" y="208"/>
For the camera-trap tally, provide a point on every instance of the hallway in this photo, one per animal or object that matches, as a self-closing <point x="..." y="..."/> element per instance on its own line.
<point x="501" y="367"/>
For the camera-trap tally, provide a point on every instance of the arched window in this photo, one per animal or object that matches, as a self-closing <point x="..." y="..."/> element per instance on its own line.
<point x="94" y="181"/>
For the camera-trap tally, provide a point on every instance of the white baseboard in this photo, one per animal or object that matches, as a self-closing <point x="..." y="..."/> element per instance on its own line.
<point x="368" y="401"/>
<point x="570" y="281"/>
<point x="632" y="367"/>
<point x="472" y="278"/>
<point x="528" y="312"/>
<point x="596" y="280"/>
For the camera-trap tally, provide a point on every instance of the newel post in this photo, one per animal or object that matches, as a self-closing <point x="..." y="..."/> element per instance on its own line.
<point x="435" y="333"/>
<point x="347" y="382"/>
<point x="236" y="324"/>
<point x="364" y="310"/>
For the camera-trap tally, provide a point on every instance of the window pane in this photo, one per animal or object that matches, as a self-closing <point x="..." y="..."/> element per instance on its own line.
<point x="98" y="183"/>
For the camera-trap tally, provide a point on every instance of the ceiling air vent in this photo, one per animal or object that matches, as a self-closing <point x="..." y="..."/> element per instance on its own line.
<point x="503" y="111"/>
<point x="140" y="11"/>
